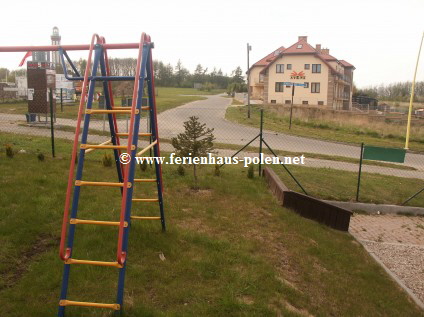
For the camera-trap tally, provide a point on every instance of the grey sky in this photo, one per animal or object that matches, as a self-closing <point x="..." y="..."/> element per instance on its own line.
<point x="381" y="38"/>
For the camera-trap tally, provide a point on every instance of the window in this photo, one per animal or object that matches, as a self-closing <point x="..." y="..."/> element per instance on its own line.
<point x="306" y="85"/>
<point x="320" y="103"/>
<point x="316" y="68"/>
<point x="287" y="102"/>
<point x="304" y="102"/>
<point x="299" y="45"/>
<point x="279" y="87"/>
<point x="289" y="66"/>
<point x="315" y="87"/>
<point x="280" y="68"/>
<point x="261" y="78"/>
<point x="307" y="66"/>
<point x="273" y="101"/>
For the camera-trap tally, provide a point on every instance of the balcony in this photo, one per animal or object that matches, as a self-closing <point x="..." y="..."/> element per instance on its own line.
<point x="344" y="79"/>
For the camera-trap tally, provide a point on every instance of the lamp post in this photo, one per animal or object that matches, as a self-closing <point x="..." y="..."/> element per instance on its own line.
<point x="249" y="48"/>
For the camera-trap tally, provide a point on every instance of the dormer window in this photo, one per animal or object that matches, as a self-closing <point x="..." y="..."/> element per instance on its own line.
<point x="299" y="45"/>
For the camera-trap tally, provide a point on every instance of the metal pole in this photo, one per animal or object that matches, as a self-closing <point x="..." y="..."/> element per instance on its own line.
<point x="359" y="173"/>
<point x="285" y="167"/>
<point x="61" y="99"/>
<point x="245" y="146"/>
<point x="291" y="107"/>
<point x="260" y="142"/>
<point x="408" y="126"/>
<point x="413" y="196"/>
<point x="248" y="81"/>
<point x="51" y="120"/>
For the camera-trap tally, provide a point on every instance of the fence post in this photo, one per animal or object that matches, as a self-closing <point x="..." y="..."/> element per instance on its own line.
<point x="61" y="99"/>
<point x="291" y="107"/>
<point x="260" y="142"/>
<point x="359" y="173"/>
<point x="51" y="120"/>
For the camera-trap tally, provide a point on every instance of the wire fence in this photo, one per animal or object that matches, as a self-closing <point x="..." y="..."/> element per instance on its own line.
<point x="330" y="170"/>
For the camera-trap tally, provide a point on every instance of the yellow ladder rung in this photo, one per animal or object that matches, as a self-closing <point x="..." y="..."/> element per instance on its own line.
<point x="147" y="148"/>
<point x="105" y="146"/>
<point x="126" y="108"/>
<point x="92" y="111"/>
<point x="107" y="184"/>
<point x="126" y="134"/>
<point x="98" y="263"/>
<point x="65" y="302"/>
<point x="148" y="200"/>
<point x="104" y="143"/>
<point x="145" y="218"/>
<point x="144" y="180"/>
<point x="75" y="221"/>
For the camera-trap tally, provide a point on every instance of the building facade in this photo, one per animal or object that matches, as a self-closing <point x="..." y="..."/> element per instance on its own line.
<point x="327" y="80"/>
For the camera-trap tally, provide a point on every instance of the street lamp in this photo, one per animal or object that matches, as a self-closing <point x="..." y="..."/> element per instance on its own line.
<point x="249" y="48"/>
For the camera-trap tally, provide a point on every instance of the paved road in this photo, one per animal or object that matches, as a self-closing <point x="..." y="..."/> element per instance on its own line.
<point x="212" y="112"/>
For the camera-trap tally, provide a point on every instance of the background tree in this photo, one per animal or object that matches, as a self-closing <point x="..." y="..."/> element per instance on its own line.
<point x="238" y="75"/>
<point x="181" y="73"/>
<point x="196" y="141"/>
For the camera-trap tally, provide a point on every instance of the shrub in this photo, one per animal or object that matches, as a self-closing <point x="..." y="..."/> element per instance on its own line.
<point x="250" y="172"/>
<point x="107" y="160"/>
<point x="181" y="170"/>
<point x="9" y="151"/>
<point x="217" y="171"/>
<point x="40" y="157"/>
<point x="143" y="166"/>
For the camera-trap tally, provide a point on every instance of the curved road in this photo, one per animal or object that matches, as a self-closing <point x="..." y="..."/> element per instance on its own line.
<point x="212" y="112"/>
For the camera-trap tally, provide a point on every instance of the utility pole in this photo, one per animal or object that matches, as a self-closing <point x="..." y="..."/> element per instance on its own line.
<point x="249" y="48"/>
<point x="411" y="100"/>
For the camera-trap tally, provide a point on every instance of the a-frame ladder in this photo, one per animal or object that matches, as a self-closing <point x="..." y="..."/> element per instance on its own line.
<point x="126" y="172"/>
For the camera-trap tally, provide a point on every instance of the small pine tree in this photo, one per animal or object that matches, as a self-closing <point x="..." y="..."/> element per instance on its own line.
<point x="196" y="141"/>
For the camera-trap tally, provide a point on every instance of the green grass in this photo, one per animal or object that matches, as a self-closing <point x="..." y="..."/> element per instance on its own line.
<point x="326" y="183"/>
<point x="167" y="98"/>
<point x="341" y="132"/>
<point x="230" y="249"/>
<point x="255" y="149"/>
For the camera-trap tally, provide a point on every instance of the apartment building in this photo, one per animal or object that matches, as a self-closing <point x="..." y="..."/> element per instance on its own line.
<point x="327" y="80"/>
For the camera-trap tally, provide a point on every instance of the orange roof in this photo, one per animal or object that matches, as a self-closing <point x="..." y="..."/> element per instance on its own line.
<point x="346" y="64"/>
<point x="300" y="46"/>
<point x="269" y="58"/>
<point x="328" y="57"/>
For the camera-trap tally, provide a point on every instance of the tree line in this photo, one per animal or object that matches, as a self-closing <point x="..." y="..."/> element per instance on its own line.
<point x="400" y="91"/>
<point x="166" y="75"/>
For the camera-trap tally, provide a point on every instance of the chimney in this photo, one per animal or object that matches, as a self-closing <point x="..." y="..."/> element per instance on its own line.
<point x="318" y="48"/>
<point x="303" y="38"/>
<point x="325" y="51"/>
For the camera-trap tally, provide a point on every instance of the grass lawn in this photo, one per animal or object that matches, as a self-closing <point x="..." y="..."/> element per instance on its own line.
<point x="230" y="249"/>
<point x="167" y="98"/>
<point x="326" y="183"/>
<point x="321" y="130"/>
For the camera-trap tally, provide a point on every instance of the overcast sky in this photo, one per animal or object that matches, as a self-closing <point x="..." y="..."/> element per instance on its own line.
<point x="379" y="37"/>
